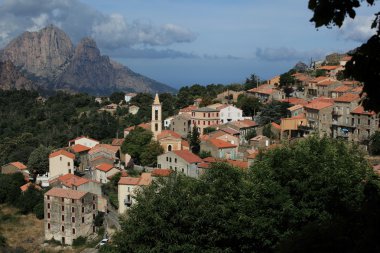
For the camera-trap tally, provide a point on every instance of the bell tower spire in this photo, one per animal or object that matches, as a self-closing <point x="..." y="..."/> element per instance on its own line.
<point x="156" y="123"/>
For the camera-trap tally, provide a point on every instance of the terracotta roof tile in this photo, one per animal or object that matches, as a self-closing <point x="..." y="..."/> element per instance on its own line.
<point x="69" y="180"/>
<point x="221" y="144"/>
<point x="240" y="164"/>
<point x="319" y="79"/>
<point x="275" y="125"/>
<point x="329" y="67"/>
<point x="78" y="148"/>
<point x="65" y="193"/>
<point x="161" y="172"/>
<point x="117" y="142"/>
<point x="327" y="83"/>
<point x="360" y="110"/>
<point x="19" y="165"/>
<point x="342" y="88"/>
<point x="209" y="159"/>
<point x="230" y="131"/>
<point x="294" y="101"/>
<point x="188" y="156"/>
<point x="318" y="105"/>
<point x="62" y="152"/>
<point x="104" y="167"/>
<point x="106" y="147"/>
<point x="144" y="179"/>
<point x="347" y="98"/>
<point x="26" y="186"/>
<point x="168" y="133"/>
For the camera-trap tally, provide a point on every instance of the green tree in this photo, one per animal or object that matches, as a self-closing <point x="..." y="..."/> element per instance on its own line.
<point x="287" y="79"/>
<point x="117" y="96"/>
<point x="150" y="153"/>
<point x="135" y="143"/>
<point x="194" y="140"/>
<point x="249" y="105"/>
<point x="229" y="210"/>
<point x="273" y="112"/>
<point x="320" y="72"/>
<point x="267" y="131"/>
<point x="251" y="134"/>
<point x="38" y="162"/>
<point x="374" y="143"/>
<point x="251" y="82"/>
<point x="208" y="130"/>
<point x="366" y="58"/>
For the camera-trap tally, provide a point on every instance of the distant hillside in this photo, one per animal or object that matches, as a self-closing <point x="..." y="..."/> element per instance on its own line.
<point x="49" y="60"/>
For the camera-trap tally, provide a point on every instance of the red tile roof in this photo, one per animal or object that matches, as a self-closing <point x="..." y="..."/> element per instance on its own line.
<point x="294" y="101"/>
<point x="204" y="165"/>
<point x="347" y="98"/>
<point x="319" y="79"/>
<point x="78" y="148"/>
<point x="62" y="152"/>
<point x="244" y="123"/>
<point x="142" y="125"/>
<point x="106" y="147"/>
<point x="360" y="110"/>
<point x="161" y="172"/>
<point x="104" y="167"/>
<point x="65" y="193"/>
<point x="185" y="143"/>
<point x="230" y="131"/>
<point x="275" y="125"/>
<point x="240" y="164"/>
<point x="221" y="144"/>
<point x="144" y="179"/>
<point x="168" y="133"/>
<point x="188" y="156"/>
<point x="209" y="159"/>
<point x="69" y="180"/>
<point x="329" y="67"/>
<point x="26" y="186"/>
<point x="117" y="142"/>
<point x="342" y="88"/>
<point x="326" y="83"/>
<point x="19" y="165"/>
<point x="188" y="108"/>
<point x="317" y="105"/>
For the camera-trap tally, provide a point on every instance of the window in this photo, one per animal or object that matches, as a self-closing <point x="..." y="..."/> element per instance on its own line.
<point x="49" y="226"/>
<point x="204" y="115"/>
<point x="209" y="115"/>
<point x="170" y="159"/>
<point x="167" y="159"/>
<point x="63" y="228"/>
<point x="156" y="127"/>
<point x="82" y="209"/>
<point x="183" y="170"/>
<point x="358" y="121"/>
<point x="73" y="219"/>
<point x="129" y="189"/>
<point x="60" y="158"/>
<point x="63" y="208"/>
<point x="48" y="197"/>
<point x="68" y="163"/>
<point x="93" y="216"/>
<point x="93" y="206"/>
<point x="48" y="215"/>
<point x="369" y="122"/>
<point x="156" y="114"/>
<point x="184" y="123"/>
<point x="175" y="160"/>
<point x="73" y="231"/>
<point x="204" y="122"/>
<point x="82" y="201"/>
<point x="93" y="198"/>
<point x="169" y="147"/>
<point x="72" y="201"/>
<point x="184" y="129"/>
<point x="82" y="219"/>
<point x="48" y="205"/>
<point x="62" y="199"/>
<point x="63" y="217"/>
<point x="69" y="171"/>
<point x="72" y="209"/>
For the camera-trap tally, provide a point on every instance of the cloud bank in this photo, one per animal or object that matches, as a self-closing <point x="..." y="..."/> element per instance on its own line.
<point x="288" y="54"/>
<point x="78" y="20"/>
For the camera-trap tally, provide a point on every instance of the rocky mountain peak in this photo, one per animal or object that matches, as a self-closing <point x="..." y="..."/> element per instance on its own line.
<point x="87" y="49"/>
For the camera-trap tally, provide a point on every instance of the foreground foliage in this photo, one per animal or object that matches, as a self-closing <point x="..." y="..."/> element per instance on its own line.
<point x="314" y="182"/>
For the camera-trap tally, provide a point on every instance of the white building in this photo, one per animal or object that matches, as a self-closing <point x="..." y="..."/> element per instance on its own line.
<point x="128" y="187"/>
<point x="229" y="113"/>
<point x="61" y="162"/>
<point x="85" y="141"/>
<point x="167" y="122"/>
<point x="104" y="171"/>
<point x="129" y="96"/>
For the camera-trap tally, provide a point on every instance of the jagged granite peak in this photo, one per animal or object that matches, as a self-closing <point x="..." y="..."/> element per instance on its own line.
<point x="300" y="66"/>
<point x="11" y="78"/>
<point x="44" y="53"/>
<point x="49" y="58"/>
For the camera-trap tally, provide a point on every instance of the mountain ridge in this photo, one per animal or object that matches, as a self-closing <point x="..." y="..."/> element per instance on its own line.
<point x="49" y="59"/>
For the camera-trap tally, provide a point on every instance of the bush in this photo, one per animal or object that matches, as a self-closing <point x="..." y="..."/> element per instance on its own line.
<point x="38" y="210"/>
<point x="80" y="241"/>
<point x="99" y="219"/>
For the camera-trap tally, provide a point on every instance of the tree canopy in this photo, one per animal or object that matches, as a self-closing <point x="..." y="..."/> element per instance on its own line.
<point x="136" y="142"/>
<point x="314" y="181"/>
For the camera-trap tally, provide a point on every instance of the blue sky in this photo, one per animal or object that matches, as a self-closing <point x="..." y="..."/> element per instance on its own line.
<point x="182" y="42"/>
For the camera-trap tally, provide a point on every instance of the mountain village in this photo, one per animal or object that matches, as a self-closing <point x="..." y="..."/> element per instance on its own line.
<point x="325" y="106"/>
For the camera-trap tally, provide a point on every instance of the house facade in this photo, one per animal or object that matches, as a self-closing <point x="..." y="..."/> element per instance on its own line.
<point x="220" y="149"/>
<point x="61" y="162"/>
<point x="69" y="214"/>
<point x="204" y="117"/>
<point x="103" y="172"/>
<point x="181" y="124"/>
<point x="180" y="161"/>
<point x="85" y="141"/>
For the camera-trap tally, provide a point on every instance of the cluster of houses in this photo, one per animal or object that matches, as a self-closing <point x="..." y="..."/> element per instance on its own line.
<point x="77" y="172"/>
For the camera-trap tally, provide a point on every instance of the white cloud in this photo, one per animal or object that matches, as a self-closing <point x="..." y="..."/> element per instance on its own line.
<point x="80" y="20"/>
<point x="358" y="29"/>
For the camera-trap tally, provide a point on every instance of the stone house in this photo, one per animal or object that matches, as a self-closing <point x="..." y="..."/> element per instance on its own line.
<point x="69" y="214"/>
<point x="325" y="87"/>
<point x="340" y="91"/>
<point x="103" y="172"/>
<point x="318" y="115"/>
<point x="220" y="149"/>
<point x="181" y="124"/>
<point x="365" y="124"/>
<point x="103" y="152"/>
<point x="61" y="162"/>
<point x="127" y="189"/>
<point x="180" y="161"/>
<point x="263" y="92"/>
<point x="311" y="88"/>
<point x="14" y="167"/>
<point x="81" y="155"/>
<point x="342" y="126"/>
<point x="259" y="142"/>
<point x="295" y="110"/>
<point x="229" y="96"/>
<point x="204" y="117"/>
<point x="243" y="127"/>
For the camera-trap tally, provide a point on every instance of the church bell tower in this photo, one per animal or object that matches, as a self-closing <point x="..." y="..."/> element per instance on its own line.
<point x="156" y="124"/>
